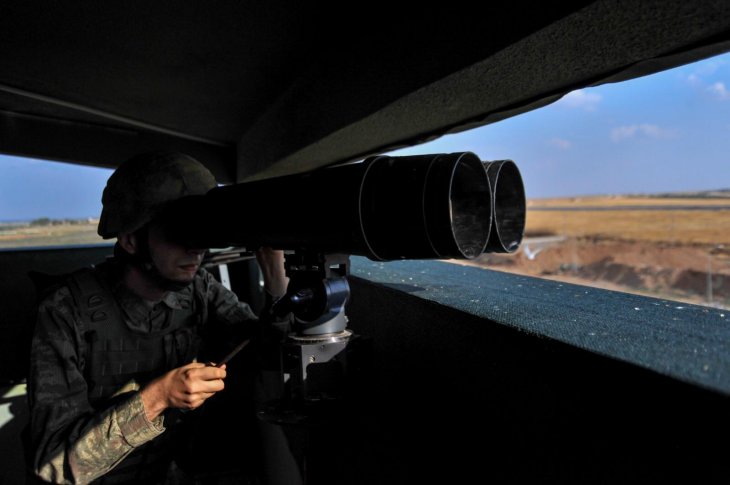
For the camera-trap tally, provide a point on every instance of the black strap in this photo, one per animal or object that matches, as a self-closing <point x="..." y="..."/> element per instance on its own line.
<point x="93" y="298"/>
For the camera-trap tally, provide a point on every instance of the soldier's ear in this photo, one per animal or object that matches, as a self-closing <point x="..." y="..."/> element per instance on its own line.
<point x="129" y="242"/>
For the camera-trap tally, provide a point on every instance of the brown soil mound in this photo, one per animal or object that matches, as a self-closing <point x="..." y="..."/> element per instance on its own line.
<point x="686" y="272"/>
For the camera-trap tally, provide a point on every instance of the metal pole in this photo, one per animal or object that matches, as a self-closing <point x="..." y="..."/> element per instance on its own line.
<point x="709" y="278"/>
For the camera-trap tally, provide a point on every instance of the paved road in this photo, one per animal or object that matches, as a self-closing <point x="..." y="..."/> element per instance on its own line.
<point x="533" y="245"/>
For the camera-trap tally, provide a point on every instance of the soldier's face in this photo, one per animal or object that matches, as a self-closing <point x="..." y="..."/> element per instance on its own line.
<point x="173" y="260"/>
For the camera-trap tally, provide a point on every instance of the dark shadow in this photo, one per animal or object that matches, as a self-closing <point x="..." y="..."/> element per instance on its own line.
<point x="12" y="470"/>
<point x="405" y="287"/>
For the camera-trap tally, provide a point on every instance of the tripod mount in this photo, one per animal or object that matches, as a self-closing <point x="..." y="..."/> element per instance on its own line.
<point x="314" y="356"/>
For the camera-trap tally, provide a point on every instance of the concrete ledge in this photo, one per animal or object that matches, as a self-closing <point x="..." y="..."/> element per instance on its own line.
<point x="686" y="342"/>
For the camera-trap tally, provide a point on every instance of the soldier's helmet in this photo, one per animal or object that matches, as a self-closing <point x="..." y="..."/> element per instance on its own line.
<point x="144" y="185"/>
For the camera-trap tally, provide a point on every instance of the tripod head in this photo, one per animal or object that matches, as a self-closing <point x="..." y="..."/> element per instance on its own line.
<point x="317" y="292"/>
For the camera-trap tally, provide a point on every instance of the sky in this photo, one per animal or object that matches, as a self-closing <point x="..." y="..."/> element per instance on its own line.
<point x="661" y="133"/>
<point x="665" y="132"/>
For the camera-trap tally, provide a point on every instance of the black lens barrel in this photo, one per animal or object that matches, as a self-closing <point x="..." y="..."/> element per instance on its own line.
<point x="414" y="207"/>
<point x="509" y="206"/>
<point x="425" y="206"/>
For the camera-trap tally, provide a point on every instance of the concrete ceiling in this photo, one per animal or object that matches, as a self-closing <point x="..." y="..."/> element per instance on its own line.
<point x="259" y="89"/>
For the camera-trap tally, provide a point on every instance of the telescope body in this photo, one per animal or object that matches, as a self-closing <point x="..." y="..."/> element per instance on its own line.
<point x="436" y="206"/>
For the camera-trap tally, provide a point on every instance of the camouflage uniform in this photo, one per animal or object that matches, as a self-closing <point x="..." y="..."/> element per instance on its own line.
<point x="73" y="441"/>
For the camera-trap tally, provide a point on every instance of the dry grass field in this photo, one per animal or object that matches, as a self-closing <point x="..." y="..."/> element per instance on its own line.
<point x="14" y="236"/>
<point x="669" y="220"/>
<point x="709" y="227"/>
<point x="624" y="200"/>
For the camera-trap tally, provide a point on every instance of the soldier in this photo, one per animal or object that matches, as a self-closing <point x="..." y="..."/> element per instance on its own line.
<point x="114" y="346"/>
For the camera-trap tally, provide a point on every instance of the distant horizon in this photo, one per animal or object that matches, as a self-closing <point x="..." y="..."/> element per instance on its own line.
<point x="639" y="194"/>
<point x="653" y="194"/>
<point x="72" y="218"/>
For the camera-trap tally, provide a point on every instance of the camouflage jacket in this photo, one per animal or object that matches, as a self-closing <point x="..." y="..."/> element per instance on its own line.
<point x="72" y="442"/>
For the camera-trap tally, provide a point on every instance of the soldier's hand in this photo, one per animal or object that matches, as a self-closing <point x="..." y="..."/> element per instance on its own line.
<point x="186" y="387"/>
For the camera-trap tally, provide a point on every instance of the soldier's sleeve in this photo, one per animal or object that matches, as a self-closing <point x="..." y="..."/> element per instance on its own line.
<point x="71" y="442"/>
<point x="228" y="309"/>
<point x="224" y="303"/>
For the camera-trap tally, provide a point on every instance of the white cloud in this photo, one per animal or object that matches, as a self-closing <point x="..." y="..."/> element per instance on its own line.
<point x="622" y="132"/>
<point x="700" y="77"/>
<point x="703" y="69"/>
<point x="694" y="79"/>
<point x="709" y="67"/>
<point x="581" y="99"/>
<point x="645" y="129"/>
<point x="719" y="91"/>
<point x="560" y="143"/>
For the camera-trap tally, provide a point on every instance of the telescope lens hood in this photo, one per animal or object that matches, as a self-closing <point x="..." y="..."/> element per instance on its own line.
<point x="509" y="206"/>
<point x="425" y="206"/>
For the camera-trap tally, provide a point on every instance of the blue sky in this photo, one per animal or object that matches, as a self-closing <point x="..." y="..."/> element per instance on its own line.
<point x="36" y="188"/>
<point x="660" y="133"/>
<point x="665" y="132"/>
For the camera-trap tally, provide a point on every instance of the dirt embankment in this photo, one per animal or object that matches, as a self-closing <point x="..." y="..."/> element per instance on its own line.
<point x="688" y="272"/>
